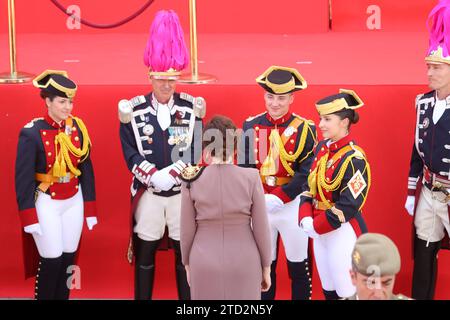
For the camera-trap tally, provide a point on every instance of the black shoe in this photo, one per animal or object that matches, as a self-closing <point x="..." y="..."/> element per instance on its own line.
<point x="184" y="291"/>
<point x="301" y="285"/>
<point x="47" y="278"/>
<point x="270" y="294"/>
<point x="425" y="269"/>
<point x="144" y="272"/>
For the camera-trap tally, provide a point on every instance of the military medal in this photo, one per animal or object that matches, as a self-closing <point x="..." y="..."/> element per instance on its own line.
<point x="179" y="115"/>
<point x="171" y="141"/>
<point x="68" y="130"/>
<point x="172" y="136"/>
<point x="289" y="131"/>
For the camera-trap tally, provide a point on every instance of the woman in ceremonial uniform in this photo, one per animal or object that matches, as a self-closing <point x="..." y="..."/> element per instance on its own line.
<point x="338" y="183"/>
<point x="54" y="187"/>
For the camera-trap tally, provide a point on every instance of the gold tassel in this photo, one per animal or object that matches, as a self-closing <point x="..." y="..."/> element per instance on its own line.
<point x="269" y="165"/>
<point x="59" y="167"/>
<point x="63" y="169"/>
<point x="56" y="165"/>
<point x="62" y="159"/>
<point x="312" y="183"/>
<point x="56" y="169"/>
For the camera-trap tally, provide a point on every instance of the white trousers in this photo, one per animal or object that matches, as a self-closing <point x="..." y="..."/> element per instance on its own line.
<point x="285" y="222"/>
<point x="154" y="212"/>
<point x="431" y="216"/>
<point x="61" y="223"/>
<point x="333" y="254"/>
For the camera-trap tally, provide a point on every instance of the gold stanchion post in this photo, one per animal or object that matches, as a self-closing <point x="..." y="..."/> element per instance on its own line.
<point x="330" y="15"/>
<point x="194" y="77"/>
<point x="14" y="76"/>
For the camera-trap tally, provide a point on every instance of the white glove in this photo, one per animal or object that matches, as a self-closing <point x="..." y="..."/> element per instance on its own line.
<point x="91" y="222"/>
<point x="33" y="228"/>
<point x="409" y="205"/>
<point x="142" y="172"/>
<point x="166" y="178"/>
<point x="162" y="179"/>
<point x="308" y="227"/>
<point x="176" y="168"/>
<point x="273" y="203"/>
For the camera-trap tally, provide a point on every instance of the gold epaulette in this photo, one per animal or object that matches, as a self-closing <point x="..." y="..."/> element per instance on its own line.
<point x="358" y="152"/>
<point x="253" y="117"/>
<point x="31" y="123"/>
<point x="310" y="122"/>
<point x="191" y="173"/>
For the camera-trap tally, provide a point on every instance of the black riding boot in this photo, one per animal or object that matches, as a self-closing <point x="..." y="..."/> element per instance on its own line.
<point x="300" y="280"/>
<point x="47" y="278"/>
<point x="144" y="272"/>
<point x="270" y="294"/>
<point x="330" y="295"/>
<point x="425" y="269"/>
<point x="63" y="288"/>
<point x="184" y="291"/>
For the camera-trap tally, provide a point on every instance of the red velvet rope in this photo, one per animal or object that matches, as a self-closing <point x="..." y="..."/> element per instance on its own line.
<point x="103" y="26"/>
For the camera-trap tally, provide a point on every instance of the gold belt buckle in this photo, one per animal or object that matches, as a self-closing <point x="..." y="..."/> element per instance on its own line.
<point x="271" y="181"/>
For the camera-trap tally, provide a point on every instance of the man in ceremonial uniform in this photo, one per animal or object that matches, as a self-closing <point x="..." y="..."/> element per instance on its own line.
<point x="375" y="263"/>
<point x="280" y="144"/>
<point x="157" y="133"/>
<point x="429" y="182"/>
<point x="55" y="187"/>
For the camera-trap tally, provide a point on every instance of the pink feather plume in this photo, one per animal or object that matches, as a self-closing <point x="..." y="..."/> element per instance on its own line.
<point x="439" y="27"/>
<point x="166" y="47"/>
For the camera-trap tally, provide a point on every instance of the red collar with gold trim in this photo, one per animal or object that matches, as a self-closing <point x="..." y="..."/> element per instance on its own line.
<point x="336" y="146"/>
<point x="53" y="123"/>
<point x="279" y="121"/>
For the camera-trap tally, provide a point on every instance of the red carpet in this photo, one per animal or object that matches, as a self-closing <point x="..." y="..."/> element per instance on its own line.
<point x="385" y="68"/>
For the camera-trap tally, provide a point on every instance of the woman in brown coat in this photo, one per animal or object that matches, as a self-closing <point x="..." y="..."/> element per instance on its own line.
<point x="225" y="241"/>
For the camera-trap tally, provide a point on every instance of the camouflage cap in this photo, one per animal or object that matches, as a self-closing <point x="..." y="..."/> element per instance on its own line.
<point x="375" y="254"/>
